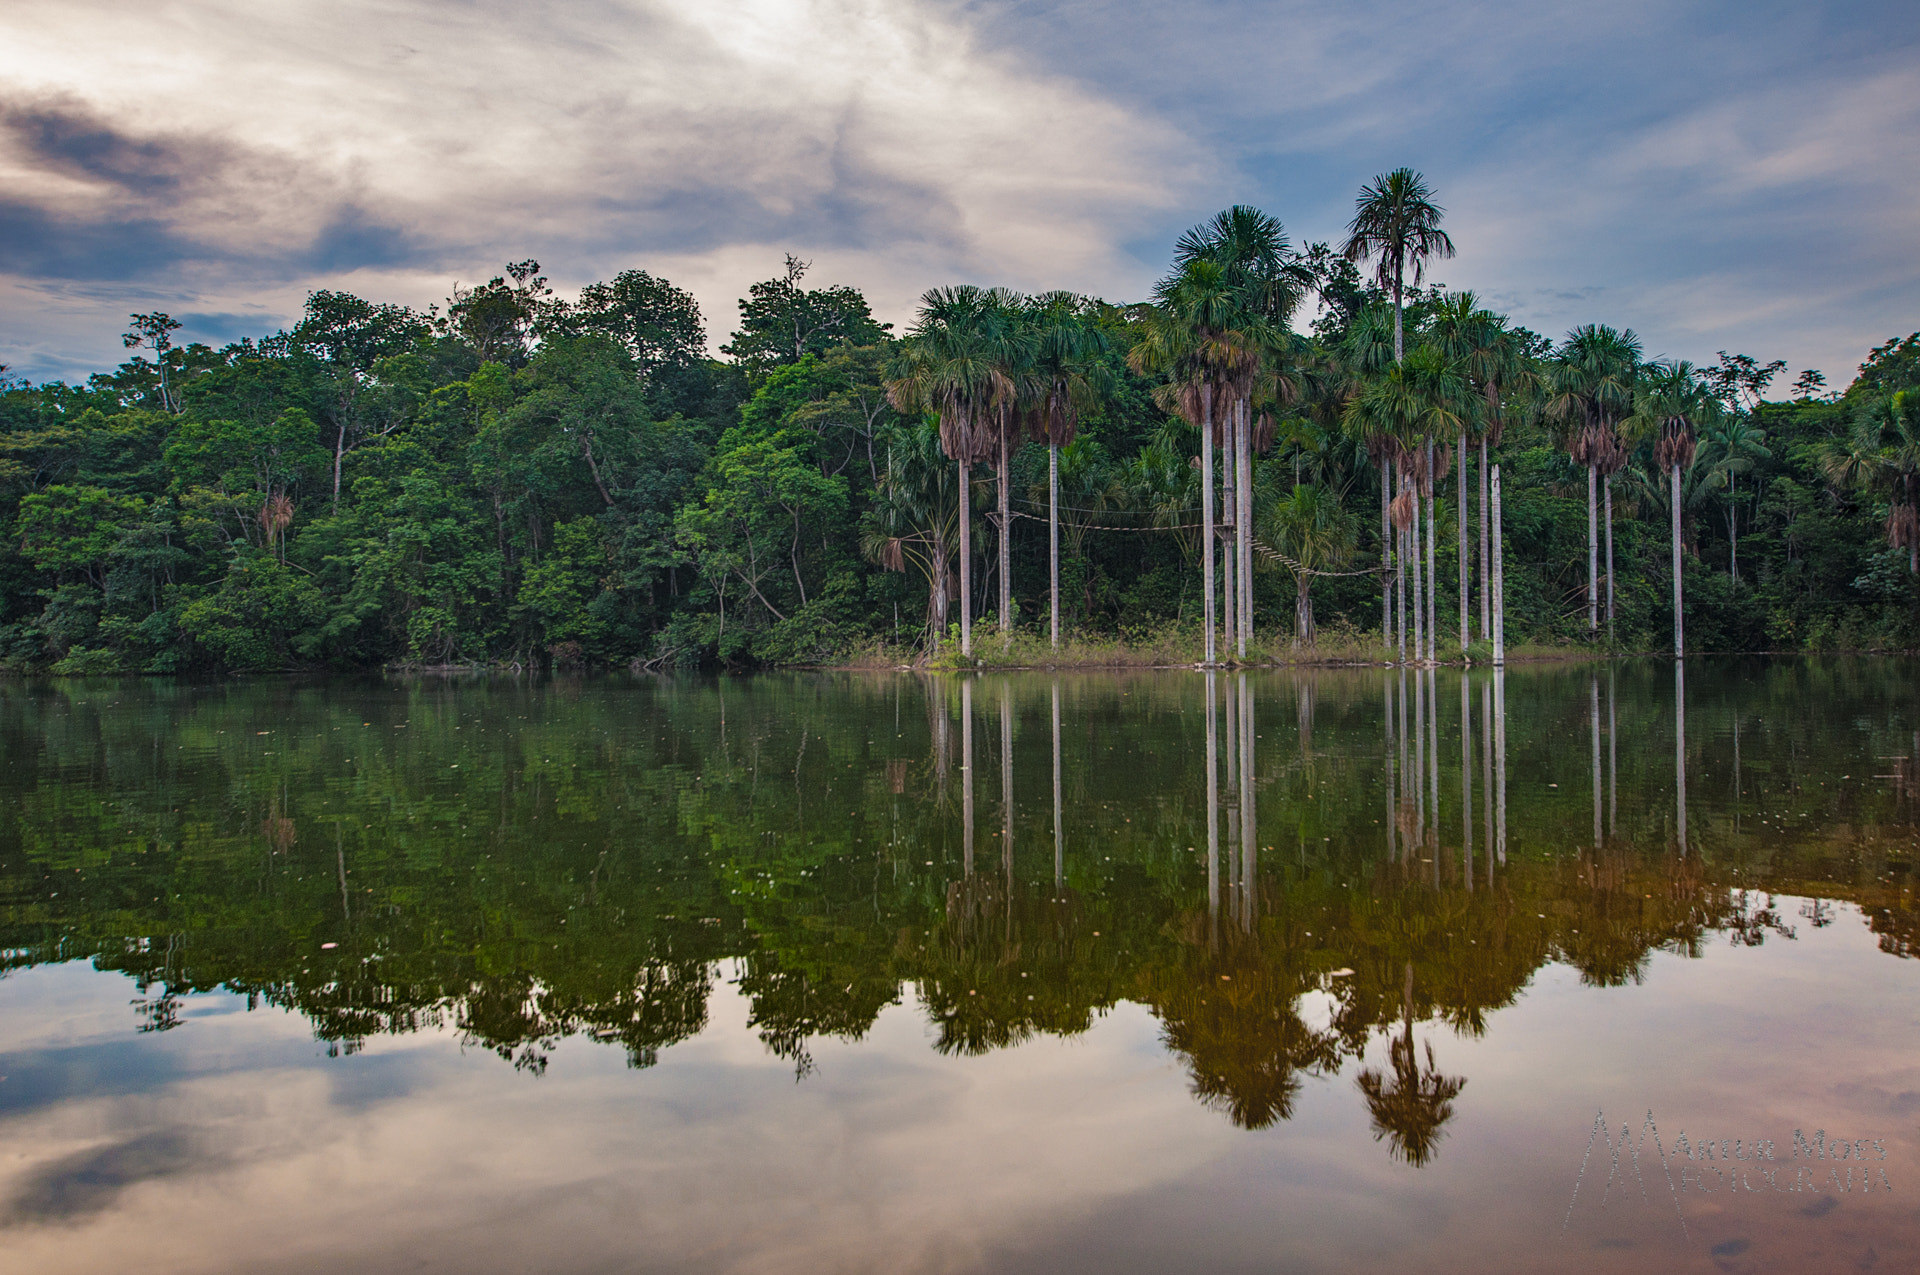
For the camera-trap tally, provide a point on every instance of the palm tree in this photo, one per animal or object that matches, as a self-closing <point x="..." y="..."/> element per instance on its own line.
<point x="915" y="511"/>
<point x="1268" y="282"/>
<point x="1673" y="399"/>
<point x="954" y="364"/>
<point x="1366" y="353"/>
<point x="1158" y="480"/>
<point x="1881" y="455"/>
<point x="1489" y="357"/>
<point x="1304" y="532"/>
<point x="1734" y="446"/>
<point x="1592" y="389"/>
<point x="1446" y="407"/>
<point x="1194" y="337"/>
<point x="1384" y="415"/>
<point x="1068" y="376"/>
<point x="1397" y="224"/>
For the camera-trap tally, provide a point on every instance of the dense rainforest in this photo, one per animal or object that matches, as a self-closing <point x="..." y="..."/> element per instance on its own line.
<point x="515" y="477"/>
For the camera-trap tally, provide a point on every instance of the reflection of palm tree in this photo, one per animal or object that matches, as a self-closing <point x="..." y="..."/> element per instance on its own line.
<point x="1410" y="1110"/>
<point x="1239" y="1025"/>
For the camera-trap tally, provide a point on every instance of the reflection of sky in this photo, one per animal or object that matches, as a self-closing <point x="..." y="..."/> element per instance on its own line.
<point x="234" y="1143"/>
<point x="1711" y="174"/>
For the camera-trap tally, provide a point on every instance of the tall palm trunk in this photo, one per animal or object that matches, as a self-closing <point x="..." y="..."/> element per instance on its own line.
<point x="1419" y="609"/>
<point x="1386" y="557"/>
<point x="1486" y="600"/>
<point x="1244" y="449"/>
<point x="1733" y="529"/>
<point x="1006" y="526"/>
<point x="1229" y="522"/>
<point x="1206" y="518"/>
<point x="1053" y="540"/>
<point x="1460" y="487"/>
<point x="966" y="560"/>
<point x="1400" y="574"/>
<point x="1399" y="345"/>
<point x="1606" y="485"/>
<point x="1499" y="578"/>
<point x="1679" y="636"/>
<point x="1593" y="553"/>
<point x="1433" y="577"/>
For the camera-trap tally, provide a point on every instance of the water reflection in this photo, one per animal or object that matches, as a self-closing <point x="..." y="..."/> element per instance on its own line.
<point x="523" y="864"/>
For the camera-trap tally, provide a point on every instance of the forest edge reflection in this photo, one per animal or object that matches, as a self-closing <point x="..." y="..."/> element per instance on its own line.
<point x="204" y="871"/>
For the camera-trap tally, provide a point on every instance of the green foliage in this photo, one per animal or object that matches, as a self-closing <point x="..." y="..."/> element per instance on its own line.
<point x="519" y="478"/>
<point x="782" y="322"/>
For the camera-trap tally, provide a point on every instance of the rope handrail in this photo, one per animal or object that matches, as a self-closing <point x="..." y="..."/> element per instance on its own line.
<point x="1265" y="550"/>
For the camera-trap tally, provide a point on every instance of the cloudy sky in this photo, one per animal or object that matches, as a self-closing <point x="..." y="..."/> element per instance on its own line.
<point x="1714" y="175"/>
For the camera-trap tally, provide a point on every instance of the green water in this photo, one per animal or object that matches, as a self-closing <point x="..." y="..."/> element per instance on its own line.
<point x="898" y="973"/>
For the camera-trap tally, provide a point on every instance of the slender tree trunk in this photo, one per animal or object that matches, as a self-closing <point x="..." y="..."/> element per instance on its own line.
<point x="1593" y="555"/>
<point x="1679" y="637"/>
<point x="1206" y="518"/>
<point x="1460" y="487"/>
<point x="1006" y="547"/>
<point x="793" y="556"/>
<point x="966" y="561"/>
<point x="1499" y="578"/>
<point x="1400" y="578"/>
<point x="1413" y="586"/>
<point x="586" y="448"/>
<point x="1399" y="346"/>
<point x="1486" y="601"/>
<point x="1053" y="538"/>
<point x="1245" y="451"/>
<point x="1733" y="530"/>
<point x="1303" y="610"/>
<point x="1433" y="574"/>
<point x="1386" y="557"/>
<point x="1229" y="523"/>
<point x="1607" y="491"/>
<point x="339" y="453"/>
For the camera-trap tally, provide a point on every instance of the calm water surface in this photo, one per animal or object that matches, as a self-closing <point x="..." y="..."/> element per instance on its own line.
<point x="1022" y="973"/>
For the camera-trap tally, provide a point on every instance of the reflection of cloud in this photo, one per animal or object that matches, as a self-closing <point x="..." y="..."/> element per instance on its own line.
<point x="91" y="1181"/>
<point x="889" y="1157"/>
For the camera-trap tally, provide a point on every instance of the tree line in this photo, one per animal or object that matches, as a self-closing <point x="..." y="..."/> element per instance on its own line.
<point x="1273" y="443"/>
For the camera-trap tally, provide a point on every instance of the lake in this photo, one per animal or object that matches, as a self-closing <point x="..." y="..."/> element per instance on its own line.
<point x="1580" y="966"/>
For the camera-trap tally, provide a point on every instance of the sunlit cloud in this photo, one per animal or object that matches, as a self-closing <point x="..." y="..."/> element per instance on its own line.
<point x="250" y="152"/>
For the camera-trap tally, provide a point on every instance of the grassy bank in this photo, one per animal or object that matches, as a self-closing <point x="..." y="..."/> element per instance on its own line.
<point x="1182" y="646"/>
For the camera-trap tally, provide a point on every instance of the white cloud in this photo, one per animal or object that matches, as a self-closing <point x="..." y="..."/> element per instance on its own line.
<point x="878" y="138"/>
